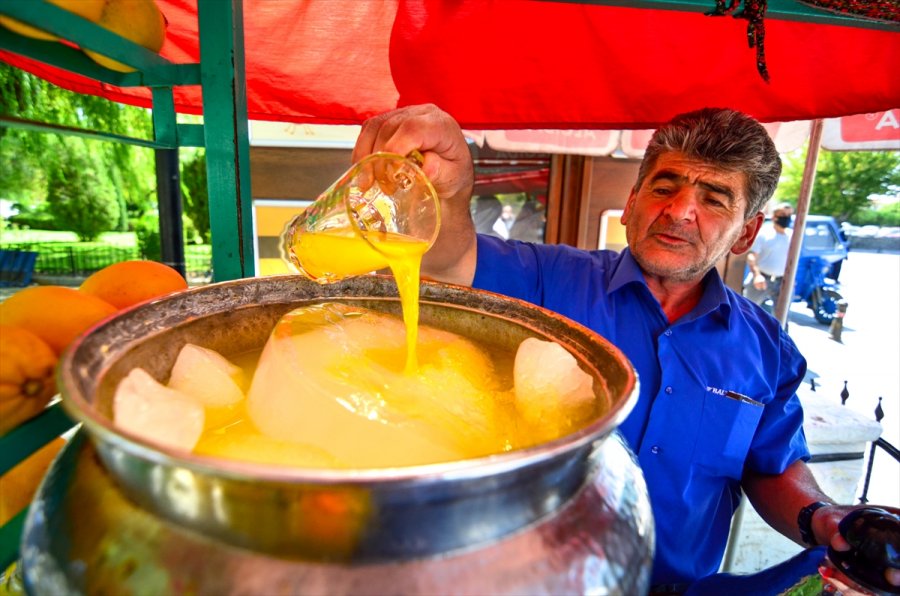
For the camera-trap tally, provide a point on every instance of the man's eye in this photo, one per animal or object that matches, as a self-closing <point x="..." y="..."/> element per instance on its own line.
<point x="662" y="191"/>
<point x="714" y="202"/>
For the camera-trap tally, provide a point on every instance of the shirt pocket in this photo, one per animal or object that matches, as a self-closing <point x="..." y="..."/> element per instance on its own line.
<point x="726" y="430"/>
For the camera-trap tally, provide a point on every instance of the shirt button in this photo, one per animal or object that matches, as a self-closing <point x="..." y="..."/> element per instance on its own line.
<point x="654" y="450"/>
<point x="668" y="390"/>
<point x="668" y="332"/>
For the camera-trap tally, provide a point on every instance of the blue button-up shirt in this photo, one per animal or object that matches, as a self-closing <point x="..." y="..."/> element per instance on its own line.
<point x="692" y="440"/>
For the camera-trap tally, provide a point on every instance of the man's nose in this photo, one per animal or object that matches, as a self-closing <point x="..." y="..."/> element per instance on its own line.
<point x="682" y="205"/>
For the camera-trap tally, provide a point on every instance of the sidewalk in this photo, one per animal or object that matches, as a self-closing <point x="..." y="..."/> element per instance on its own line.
<point x="867" y="357"/>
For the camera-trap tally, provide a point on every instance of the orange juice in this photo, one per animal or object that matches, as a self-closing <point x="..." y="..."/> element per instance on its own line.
<point x="335" y="254"/>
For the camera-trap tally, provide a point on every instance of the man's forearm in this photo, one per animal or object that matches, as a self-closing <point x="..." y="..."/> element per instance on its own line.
<point x="779" y="498"/>
<point x="752" y="264"/>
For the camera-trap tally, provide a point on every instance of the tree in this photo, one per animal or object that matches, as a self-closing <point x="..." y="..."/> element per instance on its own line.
<point x="28" y="158"/>
<point x="195" y="195"/>
<point x="78" y="197"/>
<point x="845" y="181"/>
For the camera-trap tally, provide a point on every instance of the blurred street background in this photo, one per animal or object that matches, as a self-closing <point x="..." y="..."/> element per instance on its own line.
<point x="867" y="357"/>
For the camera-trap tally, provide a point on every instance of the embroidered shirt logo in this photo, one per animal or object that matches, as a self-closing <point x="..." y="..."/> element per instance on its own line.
<point x="733" y="395"/>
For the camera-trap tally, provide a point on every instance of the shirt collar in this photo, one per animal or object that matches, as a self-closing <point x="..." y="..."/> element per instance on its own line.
<point x="714" y="298"/>
<point x="627" y="271"/>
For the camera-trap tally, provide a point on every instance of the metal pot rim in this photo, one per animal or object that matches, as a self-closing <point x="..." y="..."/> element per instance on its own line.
<point x="101" y="429"/>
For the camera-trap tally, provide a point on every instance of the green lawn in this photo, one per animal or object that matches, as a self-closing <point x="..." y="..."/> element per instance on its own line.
<point x="60" y="253"/>
<point x="41" y="236"/>
<point x="118" y="239"/>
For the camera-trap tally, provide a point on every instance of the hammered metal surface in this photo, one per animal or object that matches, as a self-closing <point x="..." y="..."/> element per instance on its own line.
<point x="84" y="536"/>
<point x="119" y="514"/>
<point x="396" y="513"/>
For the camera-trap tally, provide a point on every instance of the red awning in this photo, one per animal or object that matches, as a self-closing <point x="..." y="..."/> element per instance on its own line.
<point x="507" y="64"/>
<point x="527" y="181"/>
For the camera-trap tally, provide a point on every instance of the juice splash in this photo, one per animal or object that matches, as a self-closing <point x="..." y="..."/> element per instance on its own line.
<point x="335" y="254"/>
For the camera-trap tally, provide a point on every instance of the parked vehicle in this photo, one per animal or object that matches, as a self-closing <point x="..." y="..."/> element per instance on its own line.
<point x="823" y="251"/>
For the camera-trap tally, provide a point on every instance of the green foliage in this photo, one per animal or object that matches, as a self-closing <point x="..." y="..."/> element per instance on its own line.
<point x="28" y="158"/>
<point x="146" y="229"/>
<point x="194" y="194"/>
<point x="886" y="216"/>
<point x="845" y="181"/>
<point x="78" y="197"/>
<point x="33" y="217"/>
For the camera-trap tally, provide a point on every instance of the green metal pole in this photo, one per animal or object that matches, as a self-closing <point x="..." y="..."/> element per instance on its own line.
<point x="225" y="128"/>
<point x="168" y="180"/>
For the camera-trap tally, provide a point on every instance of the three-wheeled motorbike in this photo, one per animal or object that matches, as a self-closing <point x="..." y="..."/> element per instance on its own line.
<point x="822" y="252"/>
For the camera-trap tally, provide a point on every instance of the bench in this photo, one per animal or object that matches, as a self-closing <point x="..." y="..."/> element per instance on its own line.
<point x="16" y="267"/>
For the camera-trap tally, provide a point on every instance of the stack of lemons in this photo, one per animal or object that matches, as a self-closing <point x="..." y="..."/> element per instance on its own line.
<point x="36" y="325"/>
<point x="139" y="21"/>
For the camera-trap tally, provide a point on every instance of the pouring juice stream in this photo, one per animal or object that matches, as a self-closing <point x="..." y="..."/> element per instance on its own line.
<point x="383" y="212"/>
<point x="342" y="253"/>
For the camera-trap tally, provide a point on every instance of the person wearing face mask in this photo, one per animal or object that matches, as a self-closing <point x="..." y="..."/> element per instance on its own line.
<point x="768" y="257"/>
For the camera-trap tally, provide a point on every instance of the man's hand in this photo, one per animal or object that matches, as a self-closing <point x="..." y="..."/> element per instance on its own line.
<point x="448" y="164"/>
<point x="759" y="281"/>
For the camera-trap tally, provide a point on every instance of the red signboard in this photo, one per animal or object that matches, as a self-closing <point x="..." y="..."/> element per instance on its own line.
<point x="880" y="126"/>
<point x="875" y="131"/>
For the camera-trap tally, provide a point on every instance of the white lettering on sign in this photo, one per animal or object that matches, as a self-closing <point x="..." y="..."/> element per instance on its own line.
<point x="888" y="120"/>
<point x="716" y="390"/>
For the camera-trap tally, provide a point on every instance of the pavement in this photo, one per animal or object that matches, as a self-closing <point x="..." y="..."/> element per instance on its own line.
<point x="867" y="356"/>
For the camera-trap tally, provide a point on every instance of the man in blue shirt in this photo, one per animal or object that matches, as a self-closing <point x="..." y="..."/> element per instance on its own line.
<point x="717" y="411"/>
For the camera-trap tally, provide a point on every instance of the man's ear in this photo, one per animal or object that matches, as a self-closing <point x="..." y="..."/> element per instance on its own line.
<point x="748" y="234"/>
<point x="628" y="207"/>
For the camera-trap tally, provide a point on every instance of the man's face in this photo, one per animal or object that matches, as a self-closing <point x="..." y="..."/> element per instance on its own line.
<point x="686" y="215"/>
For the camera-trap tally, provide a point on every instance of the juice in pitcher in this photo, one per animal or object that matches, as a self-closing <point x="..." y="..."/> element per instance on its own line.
<point x="383" y="212"/>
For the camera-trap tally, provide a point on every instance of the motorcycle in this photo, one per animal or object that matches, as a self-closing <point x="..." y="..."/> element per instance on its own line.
<point x="823" y="250"/>
<point x="820" y="292"/>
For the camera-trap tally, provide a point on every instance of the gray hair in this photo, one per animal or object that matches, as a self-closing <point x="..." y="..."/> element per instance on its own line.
<point x="726" y="139"/>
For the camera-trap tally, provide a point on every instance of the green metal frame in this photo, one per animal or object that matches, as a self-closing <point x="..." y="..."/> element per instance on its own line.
<point x="15" y="447"/>
<point x="220" y="74"/>
<point x="224" y="134"/>
<point x="227" y="137"/>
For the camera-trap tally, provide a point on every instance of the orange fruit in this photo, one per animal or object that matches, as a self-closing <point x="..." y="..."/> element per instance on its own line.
<point x="130" y="282"/>
<point x="56" y="314"/>
<point x="26" y="376"/>
<point x="17" y="487"/>
<point x="88" y="9"/>
<point x="139" y="21"/>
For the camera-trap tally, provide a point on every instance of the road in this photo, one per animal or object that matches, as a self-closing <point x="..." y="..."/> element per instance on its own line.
<point x="868" y="356"/>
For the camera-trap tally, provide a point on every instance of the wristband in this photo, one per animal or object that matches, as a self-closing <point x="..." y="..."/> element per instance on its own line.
<point x="804" y="522"/>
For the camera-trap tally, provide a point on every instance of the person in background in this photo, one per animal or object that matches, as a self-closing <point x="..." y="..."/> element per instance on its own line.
<point x="486" y="212"/>
<point x="529" y="224"/>
<point x="717" y="413"/>
<point x="508" y="217"/>
<point x="768" y="256"/>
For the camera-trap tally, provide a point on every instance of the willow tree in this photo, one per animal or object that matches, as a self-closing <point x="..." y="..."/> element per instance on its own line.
<point x="30" y="160"/>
